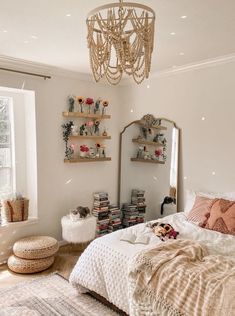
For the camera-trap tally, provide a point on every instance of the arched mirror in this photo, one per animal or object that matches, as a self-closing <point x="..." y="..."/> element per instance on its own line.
<point x="148" y="168"/>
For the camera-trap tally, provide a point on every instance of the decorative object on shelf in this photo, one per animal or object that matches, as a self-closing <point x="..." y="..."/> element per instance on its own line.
<point x="79" y="213"/>
<point x="74" y="130"/>
<point x="96" y="127"/>
<point x="67" y="131"/>
<point x="164" y="155"/>
<point x="149" y="120"/>
<point x="84" y="151"/>
<point x="83" y="130"/>
<point x="105" y="104"/>
<point x="100" y="150"/>
<point x="124" y="33"/>
<point x="160" y="138"/>
<point x="81" y="101"/>
<point x="97" y="106"/>
<point x="144" y="131"/>
<point x="71" y="101"/>
<point x="158" y="154"/>
<point x="15" y="209"/>
<point x="104" y="133"/>
<point x="90" y="125"/>
<point x="89" y="102"/>
<point x="140" y="152"/>
<point x="92" y="152"/>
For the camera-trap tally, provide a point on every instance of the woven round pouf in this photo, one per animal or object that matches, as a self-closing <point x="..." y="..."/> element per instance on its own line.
<point x="35" y="247"/>
<point x="26" y="266"/>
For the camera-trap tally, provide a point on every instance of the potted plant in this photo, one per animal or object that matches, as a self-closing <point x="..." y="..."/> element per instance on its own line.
<point x="67" y="131"/>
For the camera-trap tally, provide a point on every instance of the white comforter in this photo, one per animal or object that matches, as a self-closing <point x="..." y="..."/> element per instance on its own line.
<point x="103" y="267"/>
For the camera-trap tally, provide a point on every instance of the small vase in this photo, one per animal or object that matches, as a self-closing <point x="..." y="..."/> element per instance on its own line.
<point x="83" y="154"/>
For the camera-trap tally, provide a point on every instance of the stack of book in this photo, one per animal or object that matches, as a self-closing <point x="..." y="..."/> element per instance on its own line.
<point x="115" y="218"/>
<point x="138" y="199"/>
<point x="130" y="215"/>
<point x="101" y="212"/>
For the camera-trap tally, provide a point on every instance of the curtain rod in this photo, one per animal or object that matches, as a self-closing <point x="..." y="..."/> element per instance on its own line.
<point x="26" y="73"/>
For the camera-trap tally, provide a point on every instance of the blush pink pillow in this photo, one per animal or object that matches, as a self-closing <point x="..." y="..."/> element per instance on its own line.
<point x="222" y="217"/>
<point x="200" y="212"/>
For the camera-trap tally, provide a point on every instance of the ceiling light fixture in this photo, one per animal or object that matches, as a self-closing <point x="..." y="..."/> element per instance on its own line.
<point x="120" y="40"/>
<point x="4" y="31"/>
<point x="68" y="15"/>
<point x="181" y="54"/>
<point x="172" y="33"/>
<point x="183" y="16"/>
<point x="34" y="37"/>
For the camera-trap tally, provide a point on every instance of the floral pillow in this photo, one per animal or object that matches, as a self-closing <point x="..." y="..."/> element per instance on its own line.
<point x="222" y="217"/>
<point x="200" y="212"/>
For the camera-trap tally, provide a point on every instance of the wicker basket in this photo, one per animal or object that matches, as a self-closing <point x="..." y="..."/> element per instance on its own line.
<point x="15" y="210"/>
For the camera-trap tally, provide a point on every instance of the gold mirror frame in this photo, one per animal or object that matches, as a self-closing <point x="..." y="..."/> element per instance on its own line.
<point x="143" y="119"/>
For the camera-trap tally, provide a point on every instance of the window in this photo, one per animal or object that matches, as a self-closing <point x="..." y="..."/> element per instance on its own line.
<point x="6" y="152"/>
<point x="18" y="153"/>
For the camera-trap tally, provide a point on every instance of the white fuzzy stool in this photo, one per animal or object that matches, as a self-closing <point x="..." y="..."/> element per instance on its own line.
<point x="81" y="231"/>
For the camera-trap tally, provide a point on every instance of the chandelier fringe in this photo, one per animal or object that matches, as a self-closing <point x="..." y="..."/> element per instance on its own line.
<point x="120" y="40"/>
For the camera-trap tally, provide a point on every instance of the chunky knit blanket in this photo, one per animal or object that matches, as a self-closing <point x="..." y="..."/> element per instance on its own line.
<point x="180" y="278"/>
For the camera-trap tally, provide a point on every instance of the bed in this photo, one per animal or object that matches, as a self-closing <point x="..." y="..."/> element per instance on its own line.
<point x="103" y="267"/>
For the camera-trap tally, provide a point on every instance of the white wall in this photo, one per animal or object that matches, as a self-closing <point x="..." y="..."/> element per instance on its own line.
<point x="185" y="97"/>
<point x="56" y="194"/>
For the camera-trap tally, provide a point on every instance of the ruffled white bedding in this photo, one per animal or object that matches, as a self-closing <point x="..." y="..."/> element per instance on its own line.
<point x="103" y="267"/>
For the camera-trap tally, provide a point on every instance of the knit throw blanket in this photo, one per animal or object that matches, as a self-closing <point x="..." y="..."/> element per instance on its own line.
<point x="180" y="278"/>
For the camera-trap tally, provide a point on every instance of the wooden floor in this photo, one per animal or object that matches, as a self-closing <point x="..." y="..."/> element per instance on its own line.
<point x="65" y="260"/>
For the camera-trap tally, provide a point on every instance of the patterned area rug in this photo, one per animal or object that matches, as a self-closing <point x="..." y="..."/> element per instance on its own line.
<point x="49" y="296"/>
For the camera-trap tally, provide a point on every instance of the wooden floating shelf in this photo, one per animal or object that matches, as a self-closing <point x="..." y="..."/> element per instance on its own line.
<point x="148" y="160"/>
<point x="146" y="142"/>
<point x="75" y="160"/>
<point x="159" y="127"/>
<point x="89" y="137"/>
<point x="86" y="115"/>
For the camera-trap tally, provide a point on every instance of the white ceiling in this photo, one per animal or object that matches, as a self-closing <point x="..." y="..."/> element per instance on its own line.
<point x="207" y="32"/>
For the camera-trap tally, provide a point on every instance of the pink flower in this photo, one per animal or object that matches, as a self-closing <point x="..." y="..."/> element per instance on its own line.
<point x="84" y="148"/>
<point x="89" y="123"/>
<point x="158" y="152"/>
<point x="89" y="101"/>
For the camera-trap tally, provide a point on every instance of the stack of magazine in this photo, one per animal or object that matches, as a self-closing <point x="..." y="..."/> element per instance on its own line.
<point x="130" y="215"/>
<point x="101" y="212"/>
<point x="115" y="218"/>
<point x="138" y="199"/>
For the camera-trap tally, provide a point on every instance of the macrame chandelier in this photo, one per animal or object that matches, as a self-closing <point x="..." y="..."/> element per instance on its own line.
<point x="120" y="40"/>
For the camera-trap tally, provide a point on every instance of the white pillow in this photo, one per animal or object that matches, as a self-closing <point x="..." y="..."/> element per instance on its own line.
<point x="191" y="195"/>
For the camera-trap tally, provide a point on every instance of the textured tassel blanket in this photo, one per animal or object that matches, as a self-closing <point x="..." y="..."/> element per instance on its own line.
<point x="180" y="278"/>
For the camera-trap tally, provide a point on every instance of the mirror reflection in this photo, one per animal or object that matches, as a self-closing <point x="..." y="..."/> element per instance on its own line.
<point x="148" y="169"/>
